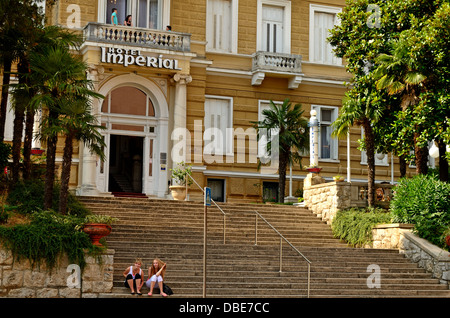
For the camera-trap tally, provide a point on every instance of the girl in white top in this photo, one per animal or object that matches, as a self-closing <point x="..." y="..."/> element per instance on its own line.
<point x="134" y="277"/>
<point x="156" y="275"/>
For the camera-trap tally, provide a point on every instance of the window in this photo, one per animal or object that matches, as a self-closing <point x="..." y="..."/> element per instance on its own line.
<point x="274" y="26"/>
<point x="322" y="19"/>
<point x="152" y="14"/>
<point x="218" y="134"/>
<point x="328" y="146"/>
<point x="265" y="135"/>
<point x="221" y="32"/>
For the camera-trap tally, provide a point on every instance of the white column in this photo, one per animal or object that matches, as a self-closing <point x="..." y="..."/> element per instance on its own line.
<point x="88" y="164"/>
<point x="179" y="119"/>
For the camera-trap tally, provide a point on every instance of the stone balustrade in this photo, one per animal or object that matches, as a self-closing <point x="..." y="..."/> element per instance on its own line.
<point x="139" y="37"/>
<point x="277" y="62"/>
<point x="18" y="279"/>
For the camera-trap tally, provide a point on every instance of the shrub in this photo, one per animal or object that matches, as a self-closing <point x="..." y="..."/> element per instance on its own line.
<point x="355" y="225"/>
<point x="47" y="237"/>
<point x="425" y="202"/>
<point x="28" y="196"/>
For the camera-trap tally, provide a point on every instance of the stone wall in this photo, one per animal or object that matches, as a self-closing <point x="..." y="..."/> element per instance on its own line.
<point x="325" y="199"/>
<point x="428" y="256"/>
<point x="18" y="279"/>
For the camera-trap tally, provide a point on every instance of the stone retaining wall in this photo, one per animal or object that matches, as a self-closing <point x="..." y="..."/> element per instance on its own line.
<point x="428" y="256"/>
<point x="326" y="199"/>
<point x="19" y="280"/>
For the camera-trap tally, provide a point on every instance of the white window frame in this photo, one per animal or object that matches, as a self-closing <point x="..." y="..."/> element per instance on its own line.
<point x="262" y="143"/>
<point x="286" y="24"/>
<point x="234" y="28"/>
<point x="313" y="8"/>
<point x="384" y="162"/>
<point x="165" y="13"/>
<point x="334" y="142"/>
<point x="228" y="147"/>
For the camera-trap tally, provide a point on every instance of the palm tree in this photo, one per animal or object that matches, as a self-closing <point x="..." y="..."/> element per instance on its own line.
<point x="77" y="123"/>
<point x="292" y="134"/>
<point x="362" y="108"/>
<point x="398" y="76"/>
<point x="17" y="21"/>
<point x="61" y="74"/>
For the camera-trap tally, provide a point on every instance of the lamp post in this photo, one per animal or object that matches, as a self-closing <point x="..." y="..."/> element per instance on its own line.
<point x="314" y="139"/>
<point x="434" y="151"/>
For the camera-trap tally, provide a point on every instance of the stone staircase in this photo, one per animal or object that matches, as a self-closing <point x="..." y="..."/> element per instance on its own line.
<point x="173" y="231"/>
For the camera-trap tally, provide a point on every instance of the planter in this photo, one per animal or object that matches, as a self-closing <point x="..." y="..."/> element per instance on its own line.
<point x="96" y="231"/>
<point x="178" y="192"/>
<point x="37" y="152"/>
<point x="447" y="240"/>
<point x="314" y="170"/>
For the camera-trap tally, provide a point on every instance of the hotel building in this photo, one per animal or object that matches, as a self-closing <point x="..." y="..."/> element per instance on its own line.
<point x="216" y="70"/>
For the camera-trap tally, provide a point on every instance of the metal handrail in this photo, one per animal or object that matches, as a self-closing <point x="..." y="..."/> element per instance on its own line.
<point x="224" y="214"/>
<point x="257" y="214"/>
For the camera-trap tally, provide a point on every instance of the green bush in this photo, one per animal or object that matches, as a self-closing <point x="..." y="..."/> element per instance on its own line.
<point x="355" y="225"/>
<point x="425" y="202"/>
<point x="28" y="196"/>
<point x="47" y="237"/>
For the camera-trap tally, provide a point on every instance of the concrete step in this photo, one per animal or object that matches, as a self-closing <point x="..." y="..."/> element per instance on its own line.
<point x="173" y="231"/>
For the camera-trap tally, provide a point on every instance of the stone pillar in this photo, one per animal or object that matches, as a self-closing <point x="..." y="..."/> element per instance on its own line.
<point x="180" y="133"/>
<point x="88" y="164"/>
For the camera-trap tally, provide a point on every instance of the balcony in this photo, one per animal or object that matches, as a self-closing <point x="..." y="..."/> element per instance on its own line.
<point x="138" y="37"/>
<point x="278" y="65"/>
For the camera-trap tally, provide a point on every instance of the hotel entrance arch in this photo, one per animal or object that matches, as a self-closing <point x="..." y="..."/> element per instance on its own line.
<point x="135" y="115"/>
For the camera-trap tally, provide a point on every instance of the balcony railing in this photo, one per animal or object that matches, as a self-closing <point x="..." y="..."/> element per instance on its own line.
<point x="141" y="37"/>
<point x="277" y="62"/>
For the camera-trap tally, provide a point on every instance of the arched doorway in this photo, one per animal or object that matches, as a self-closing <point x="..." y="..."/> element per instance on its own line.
<point x="134" y="114"/>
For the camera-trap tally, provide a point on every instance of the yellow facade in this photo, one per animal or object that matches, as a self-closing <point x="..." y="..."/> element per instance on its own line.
<point x="179" y="94"/>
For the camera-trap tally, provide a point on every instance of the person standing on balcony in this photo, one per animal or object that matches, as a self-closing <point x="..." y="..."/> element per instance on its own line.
<point x="156" y="275"/>
<point x="127" y="21"/>
<point x="134" y="277"/>
<point x="114" y="20"/>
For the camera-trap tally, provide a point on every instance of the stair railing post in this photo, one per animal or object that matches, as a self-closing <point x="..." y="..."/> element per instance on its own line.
<point x="256" y="229"/>
<point x="309" y="277"/>
<point x="224" y="227"/>
<point x="281" y="252"/>
<point x="187" y="182"/>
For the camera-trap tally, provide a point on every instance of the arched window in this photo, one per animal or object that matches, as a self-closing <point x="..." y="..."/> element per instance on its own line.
<point x="128" y="100"/>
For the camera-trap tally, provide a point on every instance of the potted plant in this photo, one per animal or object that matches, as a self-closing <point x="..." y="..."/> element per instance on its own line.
<point x="338" y="178"/>
<point x="180" y="177"/>
<point x="313" y="168"/>
<point x="447" y="236"/>
<point x="98" y="226"/>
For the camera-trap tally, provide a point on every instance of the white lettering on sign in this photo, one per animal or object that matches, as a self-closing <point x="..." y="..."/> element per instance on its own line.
<point x="134" y="57"/>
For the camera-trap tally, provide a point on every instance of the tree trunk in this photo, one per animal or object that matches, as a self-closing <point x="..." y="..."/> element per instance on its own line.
<point x="4" y="99"/>
<point x="50" y="166"/>
<point x="402" y="163"/>
<point x="29" y="123"/>
<point x="443" y="163"/>
<point x="421" y="155"/>
<point x="65" y="173"/>
<point x="370" y="151"/>
<point x="19" y="116"/>
<point x="284" y="156"/>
